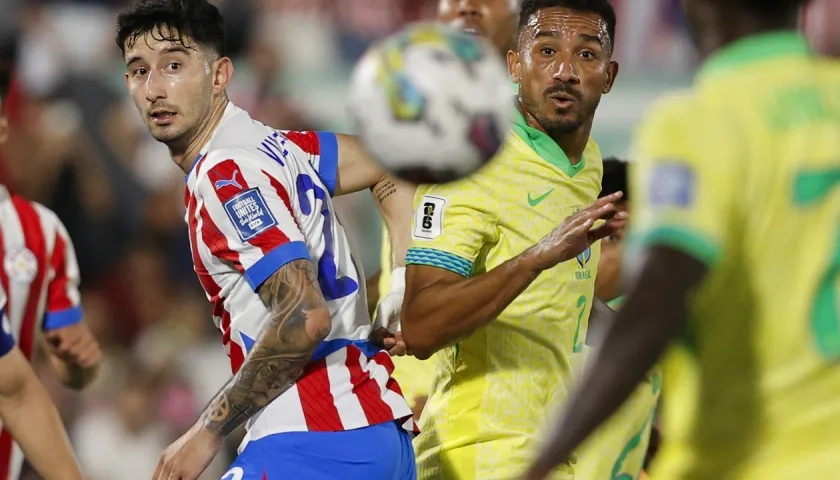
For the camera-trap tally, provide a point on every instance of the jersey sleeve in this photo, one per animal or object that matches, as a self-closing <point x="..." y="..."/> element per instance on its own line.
<point x="320" y="149"/>
<point x="7" y="341"/>
<point x="246" y="217"/>
<point x="451" y="226"/>
<point x="63" y="298"/>
<point x="682" y="181"/>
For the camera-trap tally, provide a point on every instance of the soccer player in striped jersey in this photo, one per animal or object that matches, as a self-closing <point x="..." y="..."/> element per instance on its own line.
<point x="275" y="263"/>
<point x="40" y="274"/>
<point x="27" y="411"/>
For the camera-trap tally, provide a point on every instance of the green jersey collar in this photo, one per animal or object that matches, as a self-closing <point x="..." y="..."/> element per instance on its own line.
<point x="544" y="146"/>
<point x="754" y="48"/>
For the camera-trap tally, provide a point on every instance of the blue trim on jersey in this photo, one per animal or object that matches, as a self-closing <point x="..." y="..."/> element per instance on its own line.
<point x="62" y="318"/>
<point x="192" y="167"/>
<point x="329" y="346"/>
<point x="438" y="258"/>
<point x="328" y="166"/>
<point x="7" y="341"/>
<point x="273" y="260"/>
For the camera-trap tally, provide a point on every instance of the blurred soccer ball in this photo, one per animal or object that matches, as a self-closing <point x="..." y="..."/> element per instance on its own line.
<point x="431" y="103"/>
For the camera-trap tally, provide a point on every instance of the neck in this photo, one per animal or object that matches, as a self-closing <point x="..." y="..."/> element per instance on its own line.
<point x="573" y="143"/>
<point x="185" y="157"/>
<point x="727" y="28"/>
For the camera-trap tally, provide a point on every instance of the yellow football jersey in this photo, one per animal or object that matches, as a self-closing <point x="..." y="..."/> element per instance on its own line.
<point x="494" y="391"/>
<point x="617" y="450"/>
<point x="413" y="376"/>
<point x="743" y="173"/>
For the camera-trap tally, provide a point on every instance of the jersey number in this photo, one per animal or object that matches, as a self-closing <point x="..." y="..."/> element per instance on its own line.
<point x="581" y="304"/>
<point x="332" y="286"/>
<point x="811" y="187"/>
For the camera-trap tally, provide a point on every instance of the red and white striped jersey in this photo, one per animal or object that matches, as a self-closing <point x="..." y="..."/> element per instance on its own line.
<point x="257" y="199"/>
<point x="40" y="277"/>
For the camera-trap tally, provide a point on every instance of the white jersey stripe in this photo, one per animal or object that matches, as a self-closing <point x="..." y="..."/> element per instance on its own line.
<point x="347" y="403"/>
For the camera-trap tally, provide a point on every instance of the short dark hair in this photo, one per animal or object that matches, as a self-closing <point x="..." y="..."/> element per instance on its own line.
<point x="615" y="177"/>
<point x="197" y="19"/>
<point x="602" y="8"/>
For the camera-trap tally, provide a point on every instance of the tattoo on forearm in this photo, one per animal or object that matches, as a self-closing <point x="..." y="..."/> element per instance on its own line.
<point x="384" y="189"/>
<point x="299" y="322"/>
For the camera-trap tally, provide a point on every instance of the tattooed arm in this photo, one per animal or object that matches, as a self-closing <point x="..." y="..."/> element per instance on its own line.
<point x="299" y="322"/>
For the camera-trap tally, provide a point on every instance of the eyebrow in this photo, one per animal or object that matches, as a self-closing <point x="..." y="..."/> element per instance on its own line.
<point x="169" y="49"/>
<point x="583" y="36"/>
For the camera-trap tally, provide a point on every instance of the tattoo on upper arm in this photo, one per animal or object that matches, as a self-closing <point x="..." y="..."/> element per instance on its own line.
<point x="299" y="322"/>
<point x="384" y="189"/>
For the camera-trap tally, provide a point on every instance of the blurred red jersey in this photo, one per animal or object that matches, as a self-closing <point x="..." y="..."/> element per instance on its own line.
<point x="40" y="276"/>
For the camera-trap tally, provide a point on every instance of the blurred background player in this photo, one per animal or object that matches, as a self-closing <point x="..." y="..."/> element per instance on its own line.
<point x="621" y="447"/>
<point x="737" y="213"/>
<point x="492" y="283"/>
<point x="275" y="263"/>
<point x="497" y="21"/>
<point x="28" y="413"/>
<point x="41" y="277"/>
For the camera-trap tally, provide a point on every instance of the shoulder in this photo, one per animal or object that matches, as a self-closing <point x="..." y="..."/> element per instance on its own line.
<point x="29" y="209"/>
<point x="681" y="124"/>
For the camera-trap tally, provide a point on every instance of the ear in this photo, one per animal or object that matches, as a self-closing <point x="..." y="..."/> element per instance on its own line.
<point x="611" y="73"/>
<point x="222" y="74"/>
<point x="514" y="66"/>
<point x="4" y="129"/>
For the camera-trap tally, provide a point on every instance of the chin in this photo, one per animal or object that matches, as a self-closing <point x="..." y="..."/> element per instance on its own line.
<point x="166" y="134"/>
<point x="565" y="125"/>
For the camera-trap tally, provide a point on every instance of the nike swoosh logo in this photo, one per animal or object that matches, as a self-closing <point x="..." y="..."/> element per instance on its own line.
<point x="536" y="201"/>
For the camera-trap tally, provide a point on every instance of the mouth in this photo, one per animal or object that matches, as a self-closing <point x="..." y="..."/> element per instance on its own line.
<point x="162" y="117"/>
<point x="563" y="100"/>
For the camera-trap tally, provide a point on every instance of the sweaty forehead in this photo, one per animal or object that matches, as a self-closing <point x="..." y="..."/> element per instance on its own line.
<point x="158" y="42"/>
<point x="561" y="20"/>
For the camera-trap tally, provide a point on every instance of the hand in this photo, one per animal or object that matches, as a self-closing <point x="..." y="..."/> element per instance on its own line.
<point x="393" y="342"/>
<point x="74" y="345"/>
<point x="576" y="233"/>
<point x="188" y="456"/>
<point x="386" y="320"/>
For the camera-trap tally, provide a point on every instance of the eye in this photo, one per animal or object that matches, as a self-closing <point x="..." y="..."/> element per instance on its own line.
<point x="139" y="72"/>
<point x="547" y="51"/>
<point x="174" y="66"/>
<point x="587" y="54"/>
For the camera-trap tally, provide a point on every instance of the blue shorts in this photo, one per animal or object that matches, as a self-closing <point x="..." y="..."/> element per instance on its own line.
<point x="379" y="452"/>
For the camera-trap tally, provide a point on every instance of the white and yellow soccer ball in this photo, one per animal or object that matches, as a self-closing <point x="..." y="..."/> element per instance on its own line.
<point x="431" y="103"/>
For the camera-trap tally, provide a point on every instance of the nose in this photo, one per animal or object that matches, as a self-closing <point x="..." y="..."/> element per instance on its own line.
<point x="468" y="8"/>
<point x="155" y="89"/>
<point x="567" y="68"/>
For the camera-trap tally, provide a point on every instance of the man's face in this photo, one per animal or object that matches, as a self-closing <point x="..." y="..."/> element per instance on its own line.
<point x="495" y="20"/>
<point x="563" y="67"/>
<point x="171" y="84"/>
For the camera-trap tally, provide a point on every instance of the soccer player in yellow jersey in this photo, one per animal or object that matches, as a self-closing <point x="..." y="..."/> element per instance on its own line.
<point x="619" y="448"/>
<point x="488" y="284"/>
<point x="736" y="201"/>
<point x="497" y="21"/>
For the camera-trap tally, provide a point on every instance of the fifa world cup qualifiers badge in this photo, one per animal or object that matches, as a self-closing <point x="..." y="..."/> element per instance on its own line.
<point x="428" y="219"/>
